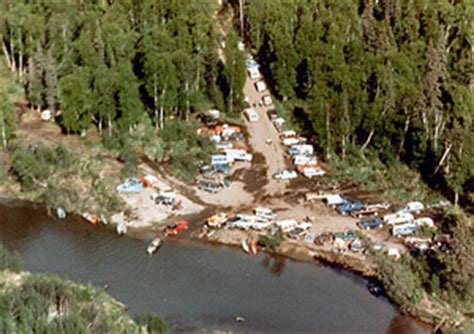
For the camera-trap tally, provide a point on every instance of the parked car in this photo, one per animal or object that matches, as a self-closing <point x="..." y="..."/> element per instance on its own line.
<point x="310" y="171"/>
<point x="368" y="224"/>
<point x="131" y="185"/>
<point x="287" y="134"/>
<point x="175" y="228"/>
<point x="267" y="100"/>
<point x="265" y="213"/>
<point x="301" y="149"/>
<point x="272" y="114"/>
<point x="285" y="175"/>
<point x="217" y="220"/>
<point x="349" y="207"/>
<point x="378" y="206"/>
<point x="251" y="115"/>
<point x="224" y="145"/>
<point x="416" y="207"/>
<point x="305" y="159"/>
<point x="207" y="120"/>
<point x="260" y="86"/>
<point x="210" y="187"/>
<point x="223" y="169"/>
<point x="297" y="233"/>
<point x="232" y="221"/>
<point x="164" y="200"/>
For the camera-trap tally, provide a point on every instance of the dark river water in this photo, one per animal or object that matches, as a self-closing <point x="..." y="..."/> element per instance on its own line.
<point x="195" y="287"/>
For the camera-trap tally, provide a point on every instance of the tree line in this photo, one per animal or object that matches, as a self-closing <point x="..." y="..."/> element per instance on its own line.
<point x="115" y="64"/>
<point x="394" y="77"/>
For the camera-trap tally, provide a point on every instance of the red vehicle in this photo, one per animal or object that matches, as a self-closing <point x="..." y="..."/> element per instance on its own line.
<point x="174" y="229"/>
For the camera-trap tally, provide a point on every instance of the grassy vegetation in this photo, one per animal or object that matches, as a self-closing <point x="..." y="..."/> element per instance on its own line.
<point x="394" y="179"/>
<point x="60" y="176"/>
<point x="45" y="303"/>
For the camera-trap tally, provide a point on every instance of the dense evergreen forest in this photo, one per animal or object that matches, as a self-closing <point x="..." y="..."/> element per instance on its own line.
<point x="395" y="77"/>
<point x="114" y="64"/>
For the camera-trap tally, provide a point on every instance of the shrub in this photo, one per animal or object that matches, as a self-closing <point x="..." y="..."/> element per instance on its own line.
<point x="152" y="323"/>
<point x="272" y="240"/>
<point x="10" y="260"/>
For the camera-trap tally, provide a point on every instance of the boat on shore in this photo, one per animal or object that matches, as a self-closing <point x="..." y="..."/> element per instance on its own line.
<point x="154" y="246"/>
<point x="253" y="247"/>
<point x="60" y="212"/>
<point x="245" y="246"/>
<point x="121" y="229"/>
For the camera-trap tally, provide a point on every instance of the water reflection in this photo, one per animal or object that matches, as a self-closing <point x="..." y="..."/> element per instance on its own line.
<point x="275" y="264"/>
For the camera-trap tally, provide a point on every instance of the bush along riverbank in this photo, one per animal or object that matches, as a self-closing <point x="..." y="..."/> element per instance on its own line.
<point x="46" y="303"/>
<point x="436" y="287"/>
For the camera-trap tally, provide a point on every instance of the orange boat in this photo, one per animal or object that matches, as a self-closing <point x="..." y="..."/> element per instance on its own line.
<point x="91" y="218"/>
<point x="253" y="247"/>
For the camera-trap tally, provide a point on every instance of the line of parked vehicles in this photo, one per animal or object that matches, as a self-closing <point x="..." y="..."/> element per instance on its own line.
<point x="224" y="137"/>
<point x="299" y="150"/>
<point x="402" y="221"/>
<point x="260" y="219"/>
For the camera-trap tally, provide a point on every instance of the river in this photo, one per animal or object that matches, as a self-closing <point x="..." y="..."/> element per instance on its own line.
<point x="194" y="286"/>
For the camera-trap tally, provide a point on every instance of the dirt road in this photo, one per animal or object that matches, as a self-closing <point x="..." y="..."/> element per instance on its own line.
<point x="264" y="139"/>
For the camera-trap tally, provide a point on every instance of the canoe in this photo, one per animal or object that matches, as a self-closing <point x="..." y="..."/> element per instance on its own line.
<point x="153" y="246"/>
<point x="245" y="246"/>
<point x="253" y="247"/>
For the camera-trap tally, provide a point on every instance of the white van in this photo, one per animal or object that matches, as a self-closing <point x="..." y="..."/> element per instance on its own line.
<point x="260" y="86"/>
<point x="403" y="229"/>
<point x="265" y="213"/>
<point x="301" y="149"/>
<point x="412" y="207"/>
<point x="312" y="171"/>
<point x="398" y="218"/>
<point x="251" y="114"/>
<point x="305" y="160"/>
<point x="254" y="73"/>
<point x="236" y="154"/>
<point x="424" y="221"/>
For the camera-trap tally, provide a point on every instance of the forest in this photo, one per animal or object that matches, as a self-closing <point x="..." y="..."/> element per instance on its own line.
<point x="391" y="77"/>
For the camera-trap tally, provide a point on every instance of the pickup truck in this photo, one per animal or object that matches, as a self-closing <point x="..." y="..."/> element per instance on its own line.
<point x="349" y="207"/>
<point x="368" y="224"/>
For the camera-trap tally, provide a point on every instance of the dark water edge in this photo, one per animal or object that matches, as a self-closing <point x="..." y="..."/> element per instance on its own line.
<point x="195" y="287"/>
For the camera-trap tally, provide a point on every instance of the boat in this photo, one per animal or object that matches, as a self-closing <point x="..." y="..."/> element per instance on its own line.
<point x="60" y="212"/>
<point x="91" y="218"/>
<point x="153" y="246"/>
<point x="245" y="246"/>
<point x="253" y="247"/>
<point x="121" y="229"/>
<point x="103" y="219"/>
